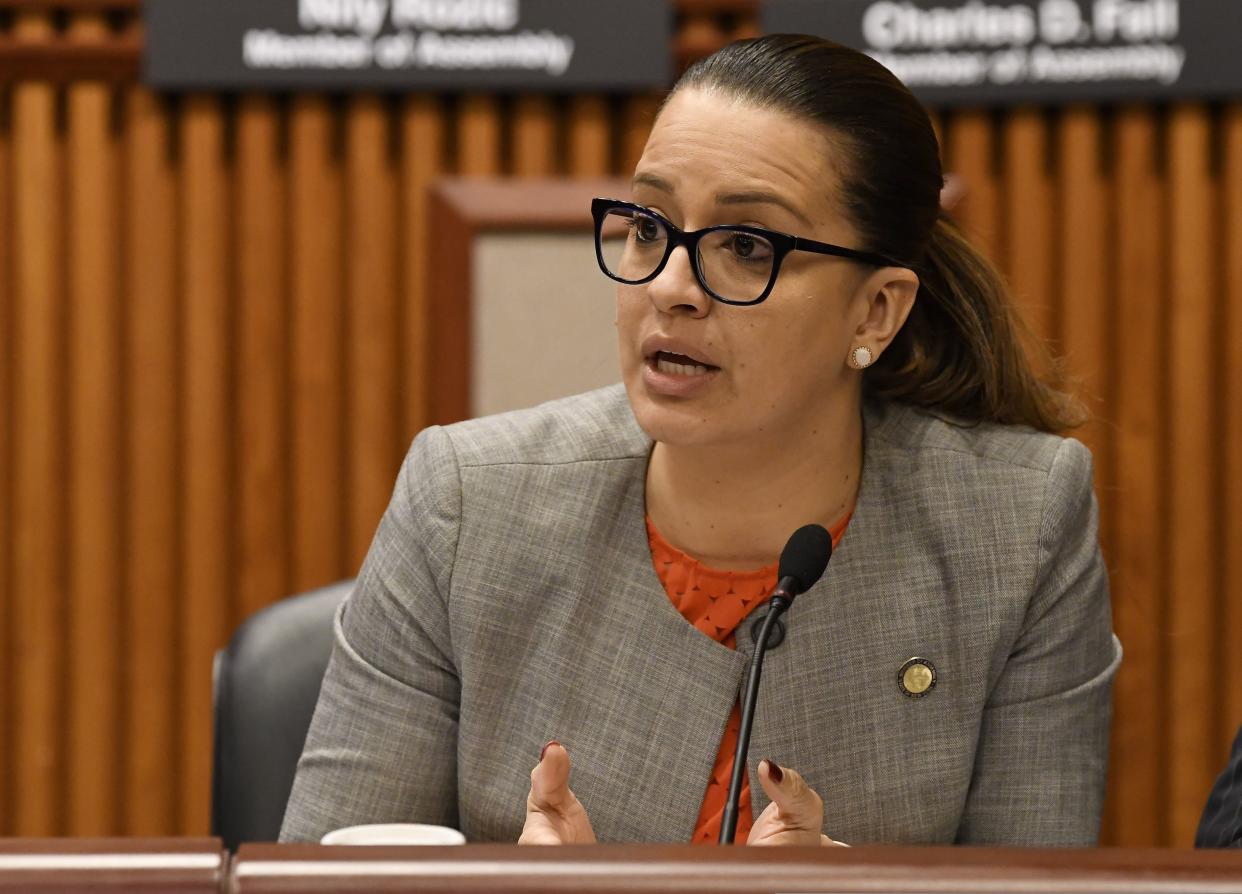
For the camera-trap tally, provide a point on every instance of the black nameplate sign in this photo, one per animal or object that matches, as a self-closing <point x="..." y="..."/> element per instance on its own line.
<point x="493" y="45"/>
<point x="996" y="52"/>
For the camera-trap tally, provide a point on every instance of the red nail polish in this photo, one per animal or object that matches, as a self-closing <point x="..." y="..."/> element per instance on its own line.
<point x="545" y="748"/>
<point x="775" y="773"/>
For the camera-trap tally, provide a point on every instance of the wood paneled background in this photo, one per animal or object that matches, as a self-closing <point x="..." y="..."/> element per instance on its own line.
<point x="213" y="351"/>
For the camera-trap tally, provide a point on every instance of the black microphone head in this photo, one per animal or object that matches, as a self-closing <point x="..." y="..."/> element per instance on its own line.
<point x="805" y="556"/>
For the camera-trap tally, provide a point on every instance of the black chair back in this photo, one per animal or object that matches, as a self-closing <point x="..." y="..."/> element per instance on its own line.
<point x="266" y="682"/>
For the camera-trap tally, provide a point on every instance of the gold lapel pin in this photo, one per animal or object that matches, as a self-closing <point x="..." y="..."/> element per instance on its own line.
<point x="916" y="678"/>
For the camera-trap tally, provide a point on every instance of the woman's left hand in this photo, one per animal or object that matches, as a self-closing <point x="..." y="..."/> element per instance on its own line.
<point x="796" y="815"/>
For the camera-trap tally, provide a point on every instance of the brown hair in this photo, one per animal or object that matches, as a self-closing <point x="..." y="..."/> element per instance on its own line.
<point x="963" y="350"/>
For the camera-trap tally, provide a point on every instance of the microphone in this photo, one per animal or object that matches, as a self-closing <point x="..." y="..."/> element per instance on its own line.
<point x="802" y="564"/>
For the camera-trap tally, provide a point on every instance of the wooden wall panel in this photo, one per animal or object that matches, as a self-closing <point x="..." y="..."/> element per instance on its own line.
<point x="7" y="518"/>
<point x="153" y="517"/>
<point x="1028" y="220"/>
<point x="479" y="136"/>
<point x="1081" y="287"/>
<point x="969" y="154"/>
<point x="207" y="446"/>
<point x="94" y="482"/>
<point x="1139" y="578"/>
<point x="535" y="137"/>
<point x="262" y="543"/>
<point x="423" y="134"/>
<point x="373" y="421"/>
<point x="590" y="138"/>
<point x="1230" y="621"/>
<point x="1193" y="345"/>
<point x="215" y="318"/>
<point x="316" y="321"/>
<point x="38" y="617"/>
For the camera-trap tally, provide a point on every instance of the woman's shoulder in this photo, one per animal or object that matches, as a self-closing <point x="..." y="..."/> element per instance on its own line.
<point x="592" y="427"/>
<point x="923" y="434"/>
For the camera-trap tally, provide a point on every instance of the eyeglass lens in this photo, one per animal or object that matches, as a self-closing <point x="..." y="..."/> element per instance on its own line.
<point x="735" y="265"/>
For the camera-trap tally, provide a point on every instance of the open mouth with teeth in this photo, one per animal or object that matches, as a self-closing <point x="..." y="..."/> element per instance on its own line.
<point x="679" y="364"/>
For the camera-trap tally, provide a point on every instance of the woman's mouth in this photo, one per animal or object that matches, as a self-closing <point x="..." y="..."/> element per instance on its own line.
<point x="677" y="375"/>
<point x="679" y="364"/>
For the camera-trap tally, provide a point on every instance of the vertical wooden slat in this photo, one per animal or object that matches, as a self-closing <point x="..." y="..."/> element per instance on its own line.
<point x="422" y="157"/>
<point x="316" y="323"/>
<point x="1028" y="220"/>
<point x="207" y="479"/>
<point x="1083" y="232"/>
<point x="38" y="461"/>
<point x="590" y="143"/>
<point x="95" y="455"/>
<point x="7" y="517"/>
<point x="1231" y="238"/>
<point x="969" y="150"/>
<point x="478" y="136"/>
<point x="534" y="136"/>
<point x="1192" y="346"/>
<point x="1082" y="228"/>
<point x="638" y="117"/>
<point x="373" y="419"/>
<point x="152" y="542"/>
<point x="1139" y="575"/>
<point x="262" y="543"/>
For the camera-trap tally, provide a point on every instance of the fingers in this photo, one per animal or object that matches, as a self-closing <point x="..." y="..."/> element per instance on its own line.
<point x="549" y="781"/>
<point x="800" y="807"/>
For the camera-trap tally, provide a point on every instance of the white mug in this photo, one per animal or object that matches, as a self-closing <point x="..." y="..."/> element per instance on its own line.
<point x="394" y="834"/>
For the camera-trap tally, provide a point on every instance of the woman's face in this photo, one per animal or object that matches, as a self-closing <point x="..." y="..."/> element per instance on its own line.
<point x="774" y="367"/>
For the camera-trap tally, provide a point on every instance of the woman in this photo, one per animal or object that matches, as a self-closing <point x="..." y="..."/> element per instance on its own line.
<point x="948" y="679"/>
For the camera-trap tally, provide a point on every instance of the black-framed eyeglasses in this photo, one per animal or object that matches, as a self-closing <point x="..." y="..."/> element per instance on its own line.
<point x="734" y="264"/>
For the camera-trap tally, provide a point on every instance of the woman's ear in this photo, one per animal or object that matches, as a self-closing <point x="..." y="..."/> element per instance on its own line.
<point x="889" y="295"/>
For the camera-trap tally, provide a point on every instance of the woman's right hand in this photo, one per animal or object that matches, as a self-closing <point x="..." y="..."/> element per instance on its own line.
<point x="554" y="815"/>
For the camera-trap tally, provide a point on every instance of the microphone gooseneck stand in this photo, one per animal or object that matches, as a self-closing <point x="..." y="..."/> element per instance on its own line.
<point x="777" y="606"/>
<point x="802" y="563"/>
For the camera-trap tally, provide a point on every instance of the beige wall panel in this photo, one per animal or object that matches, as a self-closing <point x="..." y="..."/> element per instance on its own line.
<point x="152" y="519"/>
<point x="543" y="320"/>
<point x="95" y="404"/>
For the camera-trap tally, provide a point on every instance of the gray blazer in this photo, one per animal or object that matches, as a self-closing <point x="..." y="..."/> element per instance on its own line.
<point x="509" y="598"/>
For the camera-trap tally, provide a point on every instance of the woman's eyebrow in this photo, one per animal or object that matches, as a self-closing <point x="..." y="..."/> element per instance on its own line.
<point x="758" y="197"/>
<point x="654" y="181"/>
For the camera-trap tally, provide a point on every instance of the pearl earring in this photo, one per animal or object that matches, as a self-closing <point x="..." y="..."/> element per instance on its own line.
<point x="860" y="357"/>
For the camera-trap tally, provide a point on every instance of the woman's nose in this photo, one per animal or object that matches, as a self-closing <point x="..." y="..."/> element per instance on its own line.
<point x="676" y="290"/>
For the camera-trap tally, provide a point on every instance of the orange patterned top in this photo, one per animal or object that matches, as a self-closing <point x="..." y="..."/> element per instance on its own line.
<point x="716" y="603"/>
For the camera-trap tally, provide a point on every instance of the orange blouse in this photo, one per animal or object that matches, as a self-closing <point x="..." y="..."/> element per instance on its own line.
<point x="716" y="603"/>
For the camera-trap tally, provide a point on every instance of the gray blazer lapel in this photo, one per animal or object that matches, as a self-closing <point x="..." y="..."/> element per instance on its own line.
<point x="660" y="708"/>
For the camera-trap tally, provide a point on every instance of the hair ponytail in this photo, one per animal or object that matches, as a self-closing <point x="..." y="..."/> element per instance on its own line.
<point x="964" y="350"/>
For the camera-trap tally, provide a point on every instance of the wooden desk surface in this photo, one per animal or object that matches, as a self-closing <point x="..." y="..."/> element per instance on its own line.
<point x="266" y="869"/>
<point x="67" y="865"/>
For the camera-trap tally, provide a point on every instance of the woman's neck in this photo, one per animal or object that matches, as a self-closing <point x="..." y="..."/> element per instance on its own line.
<point x="734" y="507"/>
